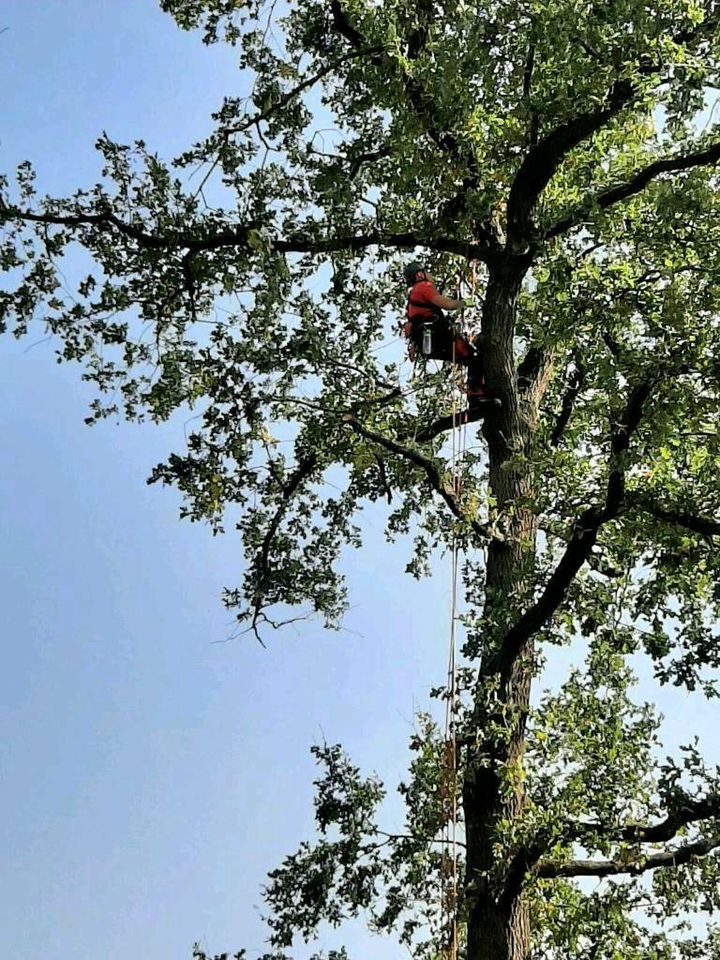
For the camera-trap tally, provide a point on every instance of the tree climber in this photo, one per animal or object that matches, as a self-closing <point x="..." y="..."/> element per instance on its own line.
<point x="432" y="334"/>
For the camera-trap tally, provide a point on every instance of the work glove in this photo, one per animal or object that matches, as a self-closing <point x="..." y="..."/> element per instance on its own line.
<point x="467" y="302"/>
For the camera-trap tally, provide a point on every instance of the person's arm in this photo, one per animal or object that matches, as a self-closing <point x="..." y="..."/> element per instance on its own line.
<point x="445" y="303"/>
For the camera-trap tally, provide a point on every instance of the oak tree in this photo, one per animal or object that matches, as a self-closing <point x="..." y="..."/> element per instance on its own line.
<point x="564" y="151"/>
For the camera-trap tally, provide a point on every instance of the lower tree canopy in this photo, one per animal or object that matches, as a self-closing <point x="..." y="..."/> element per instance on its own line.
<point x="563" y="155"/>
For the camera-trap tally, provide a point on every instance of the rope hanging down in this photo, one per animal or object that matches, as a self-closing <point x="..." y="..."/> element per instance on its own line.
<point x="449" y="892"/>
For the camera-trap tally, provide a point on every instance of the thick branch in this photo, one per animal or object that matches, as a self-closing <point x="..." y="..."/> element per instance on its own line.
<point x="542" y="161"/>
<point x="612" y="195"/>
<point x="105" y="220"/>
<point x="240" y="236"/>
<point x="673" y="857"/>
<point x="686" y="811"/>
<point x="583" y="539"/>
<point x="478" y="411"/>
<point x="429" y="467"/>
<point x="369" y="156"/>
<point x="344" y="27"/>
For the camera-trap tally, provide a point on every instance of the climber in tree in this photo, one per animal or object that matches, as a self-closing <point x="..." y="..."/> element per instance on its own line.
<point x="433" y="335"/>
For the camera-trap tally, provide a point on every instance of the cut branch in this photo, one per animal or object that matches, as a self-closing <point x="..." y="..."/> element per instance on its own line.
<point x="534" y="374"/>
<point x="623" y="191"/>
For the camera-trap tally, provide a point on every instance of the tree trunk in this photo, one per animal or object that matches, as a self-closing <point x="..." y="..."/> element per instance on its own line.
<point x="498" y="923"/>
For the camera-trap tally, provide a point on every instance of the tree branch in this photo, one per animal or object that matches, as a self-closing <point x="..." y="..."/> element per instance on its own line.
<point x="262" y="559"/>
<point x="686" y="811"/>
<point x="583" y="539"/>
<point x="612" y="195"/>
<point x="542" y="161"/>
<point x="105" y="219"/>
<point x="640" y="863"/>
<point x="429" y="468"/>
<point x="680" y="518"/>
<point x="418" y="98"/>
<point x="344" y="27"/>
<point x="478" y="411"/>
<point x="240" y="236"/>
<point x="369" y="156"/>
<point x="568" y="402"/>
<point x="301" y="87"/>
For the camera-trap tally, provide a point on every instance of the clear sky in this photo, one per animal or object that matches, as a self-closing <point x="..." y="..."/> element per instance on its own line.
<point x="151" y="775"/>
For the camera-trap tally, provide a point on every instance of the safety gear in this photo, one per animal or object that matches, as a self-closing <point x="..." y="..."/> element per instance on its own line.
<point x="427" y="340"/>
<point x="468" y="302"/>
<point x="411" y="271"/>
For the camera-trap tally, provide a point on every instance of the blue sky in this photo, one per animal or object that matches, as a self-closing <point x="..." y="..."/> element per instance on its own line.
<point x="150" y="774"/>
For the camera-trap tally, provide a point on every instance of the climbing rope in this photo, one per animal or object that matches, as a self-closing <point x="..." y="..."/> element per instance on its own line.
<point x="449" y="893"/>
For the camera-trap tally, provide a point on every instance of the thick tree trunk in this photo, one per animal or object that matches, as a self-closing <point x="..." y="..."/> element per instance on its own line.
<point x="498" y="923"/>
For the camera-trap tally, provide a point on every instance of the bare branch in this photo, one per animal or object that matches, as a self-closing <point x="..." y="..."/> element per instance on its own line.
<point x="612" y="195"/>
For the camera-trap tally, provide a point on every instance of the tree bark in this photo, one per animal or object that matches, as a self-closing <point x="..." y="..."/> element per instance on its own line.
<point x="498" y="922"/>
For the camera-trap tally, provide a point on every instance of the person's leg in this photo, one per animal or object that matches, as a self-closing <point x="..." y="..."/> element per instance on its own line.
<point x="475" y="382"/>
